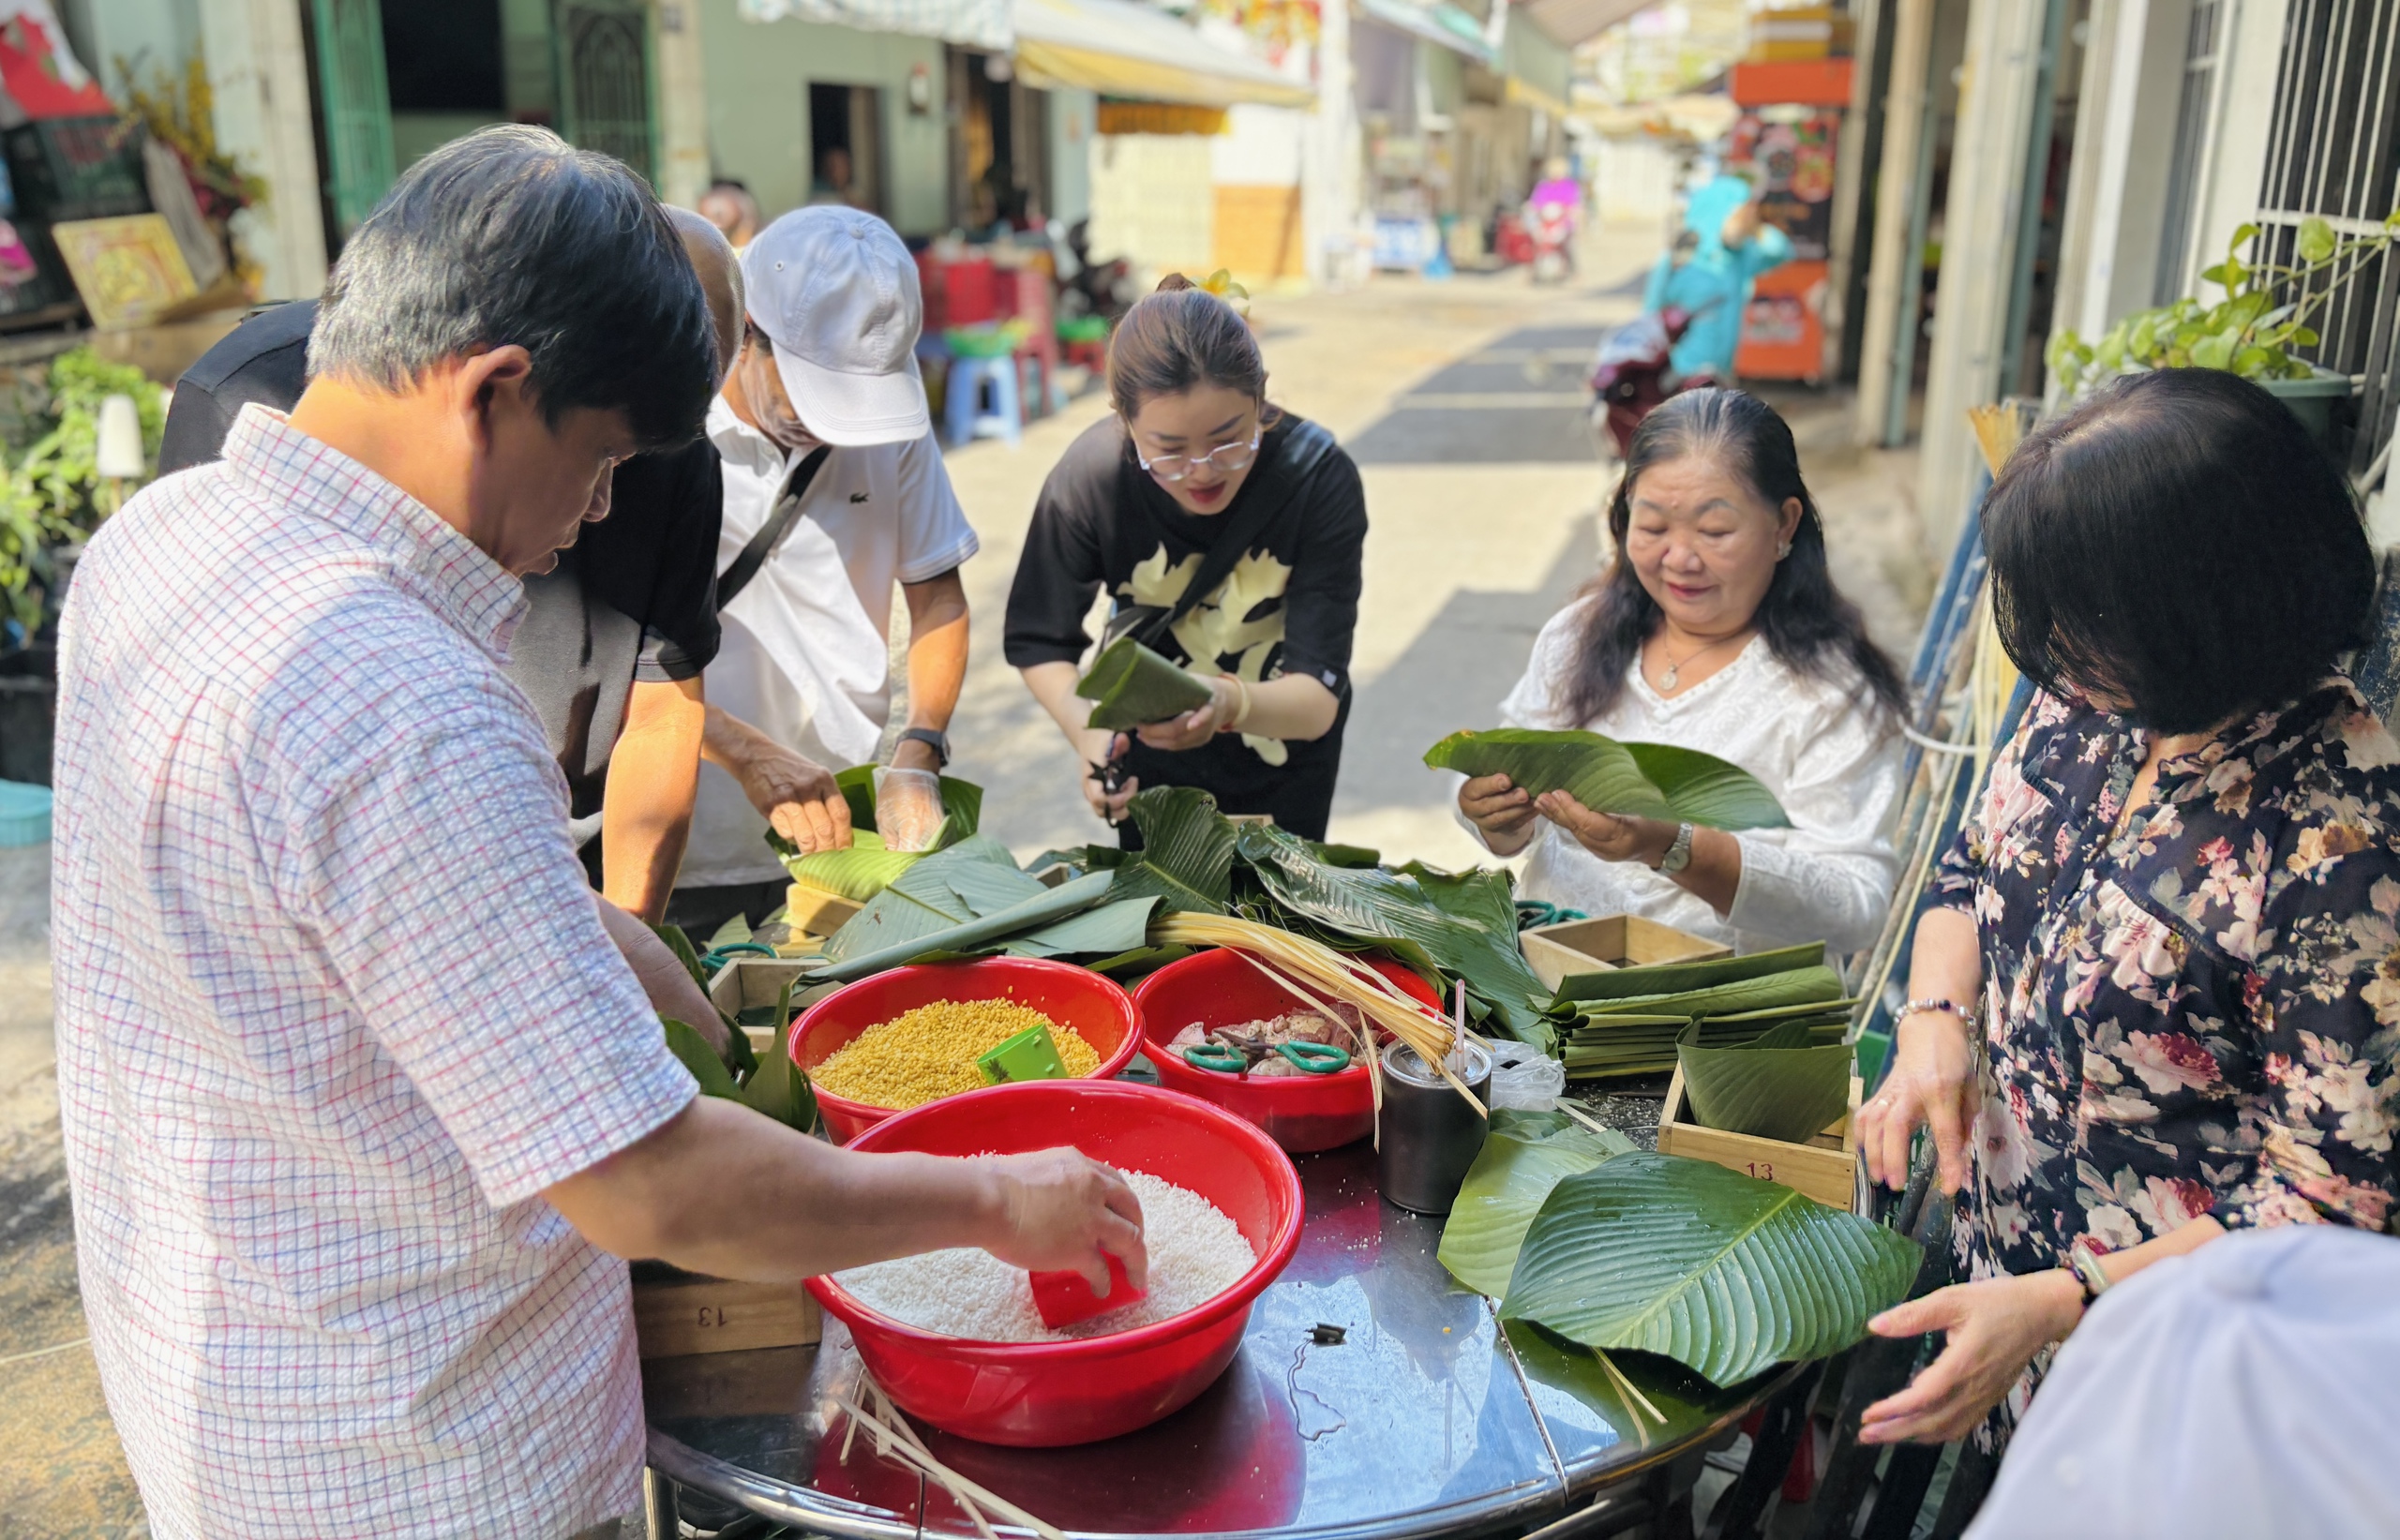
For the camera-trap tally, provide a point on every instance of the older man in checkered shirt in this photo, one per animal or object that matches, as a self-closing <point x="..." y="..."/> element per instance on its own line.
<point x="362" y="1104"/>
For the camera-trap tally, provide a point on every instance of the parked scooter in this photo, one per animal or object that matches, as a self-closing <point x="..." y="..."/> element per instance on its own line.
<point x="1633" y="373"/>
<point x="1086" y="288"/>
<point x="1551" y="227"/>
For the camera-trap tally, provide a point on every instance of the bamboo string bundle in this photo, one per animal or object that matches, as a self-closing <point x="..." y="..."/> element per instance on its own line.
<point x="894" y="1439"/>
<point x="1299" y="965"/>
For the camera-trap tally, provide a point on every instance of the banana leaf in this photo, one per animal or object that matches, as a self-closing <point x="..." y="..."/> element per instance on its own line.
<point x="968" y="938"/>
<point x="925" y="900"/>
<point x="1187" y="857"/>
<point x="866" y="868"/>
<point x="1080" y="858"/>
<point x="1633" y="780"/>
<point x="777" y="1087"/>
<point x="1572" y="1386"/>
<point x="1717" y="1271"/>
<point x="1682" y="977"/>
<point x="1778" y="1085"/>
<point x="732" y="932"/>
<point x="1133" y="686"/>
<point x="1466" y="923"/>
<point x="1356" y="856"/>
<point x="1126" y="966"/>
<point x="1525" y="1156"/>
<point x="1797" y="986"/>
<point x="681" y="944"/>
<point x="1110" y="929"/>
<point x="684" y="1042"/>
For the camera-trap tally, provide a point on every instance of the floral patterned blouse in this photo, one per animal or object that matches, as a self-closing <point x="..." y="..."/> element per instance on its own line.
<point x="2199" y="1014"/>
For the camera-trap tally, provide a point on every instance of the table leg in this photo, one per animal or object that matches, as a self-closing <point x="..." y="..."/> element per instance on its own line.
<point x="658" y="1507"/>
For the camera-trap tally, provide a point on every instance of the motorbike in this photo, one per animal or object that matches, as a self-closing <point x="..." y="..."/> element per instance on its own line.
<point x="1551" y="227"/>
<point x="1633" y="371"/>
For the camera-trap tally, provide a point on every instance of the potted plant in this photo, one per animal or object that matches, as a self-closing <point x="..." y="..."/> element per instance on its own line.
<point x="2252" y="330"/>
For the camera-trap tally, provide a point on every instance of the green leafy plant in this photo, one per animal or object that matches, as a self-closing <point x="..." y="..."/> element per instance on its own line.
<point x="1778" y="1085"/>
<point x="1717" y="1271"/>
<point x="1525" y="1156"/>
<point x="52" y="494"/>
<point x="1132" y="686"/>
<point x="2251" y="332"/>
<point x="1187" y="857"/>
<point x="1632" y="780"/>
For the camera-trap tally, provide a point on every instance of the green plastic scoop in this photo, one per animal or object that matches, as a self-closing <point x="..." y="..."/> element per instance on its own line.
<point x="1031" y="1054"/>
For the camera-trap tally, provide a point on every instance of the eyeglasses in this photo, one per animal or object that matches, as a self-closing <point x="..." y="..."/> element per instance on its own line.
<point x="1170" y="469"/>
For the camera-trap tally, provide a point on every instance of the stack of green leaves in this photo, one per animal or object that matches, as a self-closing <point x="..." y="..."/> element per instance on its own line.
<point x="1132" y="686"/>
<point x="1780" y="1084"/>
<point x="774" y="1086"/>
<point x="973" y="901"/>
<point x="866" y="868"/>
<point x="1617" y="1248"/>
<point x="1631" y="780"/>
<point x="1629" y="1021"/>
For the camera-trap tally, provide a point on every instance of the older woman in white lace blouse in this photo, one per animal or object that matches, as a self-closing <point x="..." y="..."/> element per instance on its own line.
<point x="1716" y="627"/>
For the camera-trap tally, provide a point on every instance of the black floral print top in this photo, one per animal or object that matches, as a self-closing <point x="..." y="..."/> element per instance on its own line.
<point x="2197" y="1015"/>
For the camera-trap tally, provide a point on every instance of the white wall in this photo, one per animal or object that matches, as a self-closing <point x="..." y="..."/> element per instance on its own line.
<point x="1073" y="130"/>
<point x="2133" y="82"/>
<point x="1633" y="181"/>
<point x="2251" y="57"/>
<point x="259" y="69"/>
<point x="1152" y="200"/>
<point x="1260" y="147"/>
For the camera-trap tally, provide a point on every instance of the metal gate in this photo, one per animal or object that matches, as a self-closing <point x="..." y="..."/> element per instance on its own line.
<point x="357" y="106"/>
<point x="2333" y="151"/>
<point x="603" y="78"/>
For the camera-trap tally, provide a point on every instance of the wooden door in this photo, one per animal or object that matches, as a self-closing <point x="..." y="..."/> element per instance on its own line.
<point x="355" y="105"/>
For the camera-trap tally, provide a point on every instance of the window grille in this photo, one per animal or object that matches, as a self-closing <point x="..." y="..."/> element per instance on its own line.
<point x="2331" y="153"/>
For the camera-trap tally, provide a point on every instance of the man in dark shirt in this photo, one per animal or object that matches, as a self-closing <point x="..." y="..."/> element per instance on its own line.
<point x="615" y="637"/>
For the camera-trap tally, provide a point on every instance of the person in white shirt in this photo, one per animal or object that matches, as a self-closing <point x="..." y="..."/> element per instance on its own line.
<point x="1716" y="627"/>
<point x="834" y="493"/>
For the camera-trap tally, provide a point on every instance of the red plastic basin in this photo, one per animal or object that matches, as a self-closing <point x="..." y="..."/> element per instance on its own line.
<point x="1301" y="1113"/>
<point x="1038" y="1394"/>
<point x="1094" y="1008"/>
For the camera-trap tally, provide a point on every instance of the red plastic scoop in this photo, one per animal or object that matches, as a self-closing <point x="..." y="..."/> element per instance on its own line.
<point x="1064" y="1298"/>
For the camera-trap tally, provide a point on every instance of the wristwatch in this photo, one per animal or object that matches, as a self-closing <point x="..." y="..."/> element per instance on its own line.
<point x="2084" y="1263"/>
<point x="937" y="741"/>
<point x="1678" y="854"/>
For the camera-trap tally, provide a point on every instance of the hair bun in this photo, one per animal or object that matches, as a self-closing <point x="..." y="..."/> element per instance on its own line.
<point x="1174" y="283"/>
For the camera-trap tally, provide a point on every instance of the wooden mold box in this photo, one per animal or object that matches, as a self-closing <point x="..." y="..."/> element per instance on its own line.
<point x="1560" y="951"/>
<point x="1826" y="1168"/>
<point x="747" y="983"/>
<point x="678" y="1313"/>
<point x="812" y="911"/>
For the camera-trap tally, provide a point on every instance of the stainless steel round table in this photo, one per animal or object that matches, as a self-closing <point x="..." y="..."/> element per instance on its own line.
<point x="1429" y="1418"/>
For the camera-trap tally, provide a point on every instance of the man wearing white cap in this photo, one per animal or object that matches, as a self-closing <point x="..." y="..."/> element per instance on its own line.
<point x="834" y="492"/>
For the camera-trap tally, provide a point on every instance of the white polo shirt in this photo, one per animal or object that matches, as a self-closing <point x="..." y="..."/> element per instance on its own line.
<point x="806" y="656"/>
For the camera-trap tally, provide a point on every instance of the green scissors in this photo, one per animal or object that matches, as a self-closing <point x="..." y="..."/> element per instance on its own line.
<point x="1217" y="1057"/>
<point x="1315" y="1058"/>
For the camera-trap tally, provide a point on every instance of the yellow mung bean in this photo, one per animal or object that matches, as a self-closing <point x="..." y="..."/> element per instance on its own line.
<point x="929" y="1052"/>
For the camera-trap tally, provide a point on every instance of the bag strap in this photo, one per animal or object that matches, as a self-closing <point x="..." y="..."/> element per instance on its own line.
<point x="754" y="556"/>
<point x="1303" y="452"/>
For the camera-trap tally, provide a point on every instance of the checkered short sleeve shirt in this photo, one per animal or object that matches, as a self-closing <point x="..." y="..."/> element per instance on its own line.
<point x="333" y="1009"/>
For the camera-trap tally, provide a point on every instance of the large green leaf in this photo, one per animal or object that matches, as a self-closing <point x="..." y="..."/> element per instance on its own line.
<point x="1635" y="780"/>
<point x="1466" y="923"/>
<point x="857" y="874"/>
<point x="865" y="868"/>
<point x="924" y="899"/>
<point x="1132" y="686"/>
<point x="1105" y="930"/>
<point x="1706" y="1266"/>
<point x="1778" y="1085"/>
<point x="685" y="1042"/>
<point x="1793" y="987"/>
<point x="1053" y="903"/>
<point x="1525" y="1156"/>
<point x="777" y="1087"/>
<point x="1187" y="857"/>
<point x="1676" y="977"/>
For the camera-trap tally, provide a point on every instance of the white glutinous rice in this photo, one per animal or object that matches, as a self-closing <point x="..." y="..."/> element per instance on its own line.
<point x="1196" y="1255"/>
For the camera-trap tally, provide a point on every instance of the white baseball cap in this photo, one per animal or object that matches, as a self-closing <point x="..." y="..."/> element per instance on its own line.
<point x="836" y="294"/>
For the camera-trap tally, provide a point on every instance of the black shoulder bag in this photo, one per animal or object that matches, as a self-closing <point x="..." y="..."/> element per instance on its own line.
<point x="754" y="556"/>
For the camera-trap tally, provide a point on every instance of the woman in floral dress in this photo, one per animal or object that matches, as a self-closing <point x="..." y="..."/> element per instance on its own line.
<point x="2156" y="992"/>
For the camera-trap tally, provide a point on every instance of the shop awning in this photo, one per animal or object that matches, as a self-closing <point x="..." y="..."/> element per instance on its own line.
<point x="1122" y="49"/>
<point x="970" y="24"/>
<point x="1441" y="23"/>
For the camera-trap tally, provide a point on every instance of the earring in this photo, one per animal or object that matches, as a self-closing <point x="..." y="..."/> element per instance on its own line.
<point x="1784" y="550"/>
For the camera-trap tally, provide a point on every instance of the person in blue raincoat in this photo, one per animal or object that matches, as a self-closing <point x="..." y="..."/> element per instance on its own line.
<point x="1729" y="246"/>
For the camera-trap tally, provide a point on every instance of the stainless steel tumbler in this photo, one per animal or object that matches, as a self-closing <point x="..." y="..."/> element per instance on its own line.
<point x="1427" y="1135"/>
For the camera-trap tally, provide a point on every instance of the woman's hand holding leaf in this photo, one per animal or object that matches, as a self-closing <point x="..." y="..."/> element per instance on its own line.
<point x="1501" y="809"/>
<point x="1179" y="734"/>
<point x="1605" y="834"/>
<point x="1995" y="1328"/>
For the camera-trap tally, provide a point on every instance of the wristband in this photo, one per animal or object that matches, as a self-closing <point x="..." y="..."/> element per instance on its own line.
<point x="2085" y="1264"/>
<point x="1932" y="1005"/>
<point x="1241" y="713"/>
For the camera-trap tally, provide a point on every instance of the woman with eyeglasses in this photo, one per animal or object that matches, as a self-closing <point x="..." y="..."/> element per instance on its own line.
<point x="1227" y="536"/>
